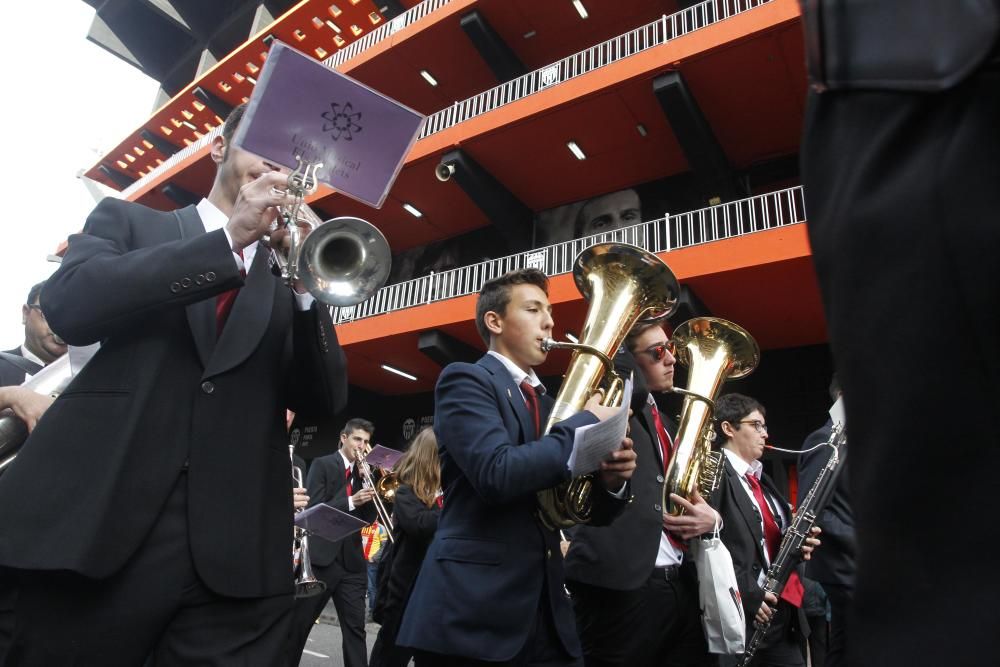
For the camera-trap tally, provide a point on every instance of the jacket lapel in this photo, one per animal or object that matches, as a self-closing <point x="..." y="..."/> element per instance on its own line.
<point x="248" y="319"/>
<point x="746" y="508"/>
<point x="505" y="384"/>
<point x="200" y="315"/>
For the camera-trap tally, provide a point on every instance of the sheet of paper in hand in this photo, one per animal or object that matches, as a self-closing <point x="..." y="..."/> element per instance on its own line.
<point x="302" y="108"/>
<point x="328" y="522"/>
<point x="383" y="457"/>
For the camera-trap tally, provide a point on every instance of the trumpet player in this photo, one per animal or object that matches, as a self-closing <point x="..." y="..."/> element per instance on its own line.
<point x="337" y="480"/>
<point x="638" y="605"/>
<point x="181" y="416"/>
<point x="490" y="590"/>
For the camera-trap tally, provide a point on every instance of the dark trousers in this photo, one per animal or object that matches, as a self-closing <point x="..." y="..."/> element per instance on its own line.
<point x="902" y="196"/>
<point x="840" y="609"/>
<point x="155" y="611"/>
<point x="8" y="593"/>
<point x="658" y="624"/>
<point x="543" y="649"/>
<point x="347" y="589"/>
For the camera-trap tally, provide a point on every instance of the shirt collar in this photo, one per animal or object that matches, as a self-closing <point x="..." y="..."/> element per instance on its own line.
<point x="347" y="463"/>
<point x="519" y="375"/>
<point x="31" y="356"/>
<point x="742" y="467"/>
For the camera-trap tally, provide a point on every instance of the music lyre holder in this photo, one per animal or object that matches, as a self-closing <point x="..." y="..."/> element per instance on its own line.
<point x="302" y="182"/>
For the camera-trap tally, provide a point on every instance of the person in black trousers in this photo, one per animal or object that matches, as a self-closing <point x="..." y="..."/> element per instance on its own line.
<point x="900" y="164"/>
<point x="336" y="480"/>
<point x="415" y="518"/>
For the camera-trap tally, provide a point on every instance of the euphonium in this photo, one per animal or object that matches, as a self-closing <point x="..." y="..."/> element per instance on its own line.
<point x="342" y="261"/>
<point x="623" y="284"/>
<point x="714" y="350"/>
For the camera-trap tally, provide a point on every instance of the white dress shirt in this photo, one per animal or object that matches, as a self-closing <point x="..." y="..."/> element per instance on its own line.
<point x="667" y="554"/>
<point x="780" y="516"/>
<point x="30" y="356"/>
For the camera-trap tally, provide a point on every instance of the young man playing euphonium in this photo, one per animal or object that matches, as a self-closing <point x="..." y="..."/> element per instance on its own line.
<point x="490" y="590"/>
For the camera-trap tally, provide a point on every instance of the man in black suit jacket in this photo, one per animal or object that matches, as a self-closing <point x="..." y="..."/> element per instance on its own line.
<point x="167" y="502"/>
<point x="490" y="590"/>
<point x="834" y="566"/>
<point x="341" y="565"/>
<point x="900" y="167"/>
<point x="634" y="593"/>
<point x="755" y="517"/>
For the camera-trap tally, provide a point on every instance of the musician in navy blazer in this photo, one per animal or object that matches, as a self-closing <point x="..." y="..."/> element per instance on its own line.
<point x="491" y="585"/>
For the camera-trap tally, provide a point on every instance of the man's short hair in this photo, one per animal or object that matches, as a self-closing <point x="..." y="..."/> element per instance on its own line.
<point x="638" y="330"/>
<point x="495" y="295"/>
<point x="733" y="408"/>
<point x="358" y="424"/>
<point x="34" y="293"/>
<point x="232" y="123"/>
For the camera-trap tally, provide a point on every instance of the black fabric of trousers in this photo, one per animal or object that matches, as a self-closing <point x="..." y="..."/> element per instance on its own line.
<point x="155" y="611"/>
<point x="817" y="644"/>
<point x="347" y="589"/>
<point x="385" y="653"/>
<point x="543" y="649"/>
<point x="840" y="610"/>
<point x="7" y="596"/>
<point x="902" y="195"/>
<point x="658" y="624"/>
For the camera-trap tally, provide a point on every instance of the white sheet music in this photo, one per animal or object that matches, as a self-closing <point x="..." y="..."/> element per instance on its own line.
<point x="593" y="443"/>
<point x="837" y="412"/>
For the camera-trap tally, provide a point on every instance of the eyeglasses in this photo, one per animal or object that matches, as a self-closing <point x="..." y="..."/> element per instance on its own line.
<point x="658" y="352"/>
<point x="758" y="426"/>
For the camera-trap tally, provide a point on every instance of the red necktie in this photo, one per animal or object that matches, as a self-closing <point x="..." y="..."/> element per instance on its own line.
<point x="349" y="481"/>
<point x="531" y="401"/>
<point x="666" y="444"/>
<point x="224" y="302"/>
<point x="793" y="590"/>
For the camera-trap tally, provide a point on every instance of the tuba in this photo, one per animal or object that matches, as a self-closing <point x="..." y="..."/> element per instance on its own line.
<point x="714" y="350"/>
<point x="624" y="284"/>
<point x="342" y="262"/>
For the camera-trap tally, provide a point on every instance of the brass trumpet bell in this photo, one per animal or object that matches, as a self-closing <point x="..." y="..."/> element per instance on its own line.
<point x="344" y="261"/>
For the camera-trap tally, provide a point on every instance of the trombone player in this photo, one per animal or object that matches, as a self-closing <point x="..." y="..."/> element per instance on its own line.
<point x="337" y="480"/>
<point x="145" y="532"/>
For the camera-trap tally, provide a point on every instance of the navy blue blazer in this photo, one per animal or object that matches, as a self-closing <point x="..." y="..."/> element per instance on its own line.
<point x="491" y="562"/>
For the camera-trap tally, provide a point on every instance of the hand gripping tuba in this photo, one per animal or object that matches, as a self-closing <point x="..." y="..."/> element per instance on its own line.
<point x="714" y="350"/>
<point x="623" y="284"/>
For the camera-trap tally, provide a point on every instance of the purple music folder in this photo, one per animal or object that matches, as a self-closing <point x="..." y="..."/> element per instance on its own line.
<point x="383" y="457"/>
<point x="328" y="522"/>
<point x="301" y="107"/>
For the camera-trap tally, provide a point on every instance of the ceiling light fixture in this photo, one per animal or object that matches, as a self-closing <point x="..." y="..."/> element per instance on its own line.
<point x="333" y="26"/>
<point x="399" y="372"/>
<point x="642" y="129"/>
<point x="428" y="78"/>
<point x="576" y="150"/>
<point x="580" y="9"/>
<point x="415" y="212"/>
<point x="189" y="125"/>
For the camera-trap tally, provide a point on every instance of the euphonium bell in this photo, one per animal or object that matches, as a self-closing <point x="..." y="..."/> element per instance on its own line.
<point x="714" y="350"/>
<point x="624" y="284"/>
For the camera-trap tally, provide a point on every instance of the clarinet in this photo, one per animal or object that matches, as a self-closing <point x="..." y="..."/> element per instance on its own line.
<point x="791" y="544"/>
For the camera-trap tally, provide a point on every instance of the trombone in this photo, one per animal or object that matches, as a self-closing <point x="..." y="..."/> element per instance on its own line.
<point x="380" y="492"/>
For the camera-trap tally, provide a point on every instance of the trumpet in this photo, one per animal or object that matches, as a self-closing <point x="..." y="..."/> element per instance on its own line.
<point x="342" y="262"/>
<point x="379" y="492"/>
<point x="306" y="583"/>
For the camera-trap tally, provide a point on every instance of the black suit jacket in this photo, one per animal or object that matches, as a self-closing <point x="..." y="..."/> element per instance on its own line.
<point x="834" y="562"/>
<point x="622" y="555"/>
<point x="491" y="561"/>
<point x="11" y="374"/>
<point x="742" y="535"/>
<point x="328" y="484"/>
<point x="162" y="391"/>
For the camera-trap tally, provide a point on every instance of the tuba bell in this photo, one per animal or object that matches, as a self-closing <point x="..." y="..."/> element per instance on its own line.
<point x="714" y="350"/>
<point x="624" y="284"/>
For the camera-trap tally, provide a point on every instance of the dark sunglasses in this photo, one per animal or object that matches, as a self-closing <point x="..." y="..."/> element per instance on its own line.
<point x="658" y="352"/>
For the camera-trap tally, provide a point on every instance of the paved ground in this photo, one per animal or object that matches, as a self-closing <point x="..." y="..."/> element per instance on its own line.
<point x="324" y="646"/>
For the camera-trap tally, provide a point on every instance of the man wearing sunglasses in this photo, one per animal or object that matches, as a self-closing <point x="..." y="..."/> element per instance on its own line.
<point x="635" y="594"/>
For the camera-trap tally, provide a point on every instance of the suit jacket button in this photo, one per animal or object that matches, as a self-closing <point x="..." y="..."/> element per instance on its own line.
<point x="657" y="508"/>
<point x="207" y="387"/>
<point x="185" y="282"/>
<point x="199" y="279"/>
<point x="210" y="276"/>
<point x="175" y="287"/>
<point x="659" y="478"/>
<point x="548" y="553"/>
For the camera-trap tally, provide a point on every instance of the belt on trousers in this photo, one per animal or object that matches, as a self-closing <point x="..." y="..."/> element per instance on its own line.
<point x="668" y="573"/>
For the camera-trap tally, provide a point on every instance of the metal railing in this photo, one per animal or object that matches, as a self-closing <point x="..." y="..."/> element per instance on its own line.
<point x="635" y="41"/>
<point x="384" y="31"/>
<point x="652" y="34"/>
<point x="714" y="223"/>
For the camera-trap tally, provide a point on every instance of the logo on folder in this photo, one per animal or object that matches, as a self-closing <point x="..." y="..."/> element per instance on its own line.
<point x="341" y="121"/>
